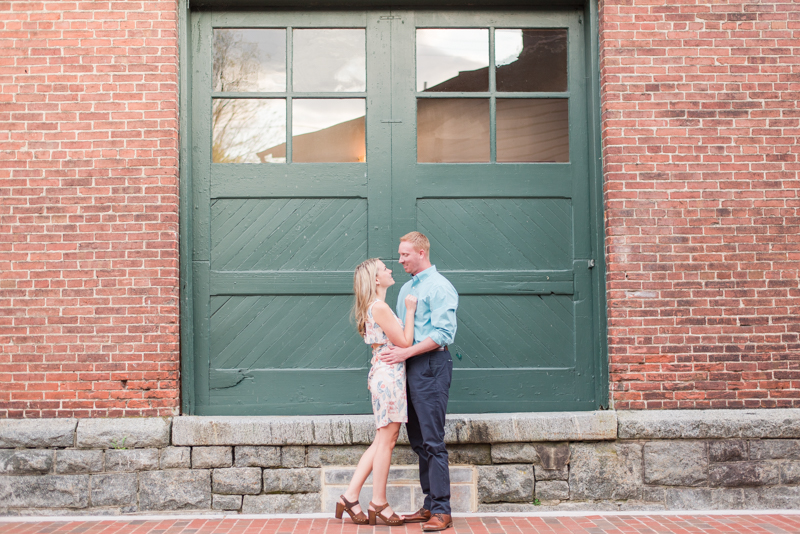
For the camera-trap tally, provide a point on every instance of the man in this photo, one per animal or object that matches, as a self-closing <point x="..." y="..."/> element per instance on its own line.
<point x="429" y="369"/>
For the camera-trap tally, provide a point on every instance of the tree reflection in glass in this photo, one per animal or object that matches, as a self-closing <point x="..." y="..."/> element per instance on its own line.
<point x="244" y="127"/>
<point x="249" y="60"/>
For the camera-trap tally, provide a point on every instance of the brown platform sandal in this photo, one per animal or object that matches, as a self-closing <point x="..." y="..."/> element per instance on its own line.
<point x="358" y="518"/>
<point x="393" y="521"/>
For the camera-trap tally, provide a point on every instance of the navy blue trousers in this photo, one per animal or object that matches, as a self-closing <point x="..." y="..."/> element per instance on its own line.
<point x="428" y="377"/>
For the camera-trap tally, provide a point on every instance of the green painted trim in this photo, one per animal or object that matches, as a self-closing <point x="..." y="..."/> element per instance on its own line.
<point x="187" y="386"/>
<point x="592" y="39"/>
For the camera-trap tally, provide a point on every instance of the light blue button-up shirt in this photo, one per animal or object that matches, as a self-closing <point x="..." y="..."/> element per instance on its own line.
<point x="437" y="301"/>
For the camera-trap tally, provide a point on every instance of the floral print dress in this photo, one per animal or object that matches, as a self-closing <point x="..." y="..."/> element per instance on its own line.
<point x="387" y="383"/>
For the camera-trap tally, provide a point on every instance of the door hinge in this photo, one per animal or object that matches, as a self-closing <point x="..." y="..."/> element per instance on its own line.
<point x="591" y="263"/>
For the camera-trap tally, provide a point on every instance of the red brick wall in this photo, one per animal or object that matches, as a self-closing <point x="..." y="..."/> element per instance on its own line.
<point x="88" y="209"/>
<point x="700" y="142"/>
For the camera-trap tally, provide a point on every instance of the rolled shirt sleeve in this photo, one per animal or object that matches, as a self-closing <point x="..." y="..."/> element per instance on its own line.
<point x="444" y="302"/>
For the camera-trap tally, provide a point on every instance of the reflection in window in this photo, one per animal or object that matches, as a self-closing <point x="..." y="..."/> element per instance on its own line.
<point x="329" y="60"/>
<point x="532" y="130"/>
<point x="249" y="60"/>
<point x="241" y="128"/>
<point x="453" y="60"/>
<point x="454" y="130"/>
<point x="531" y="60"/>
<point x="325" y="130"/>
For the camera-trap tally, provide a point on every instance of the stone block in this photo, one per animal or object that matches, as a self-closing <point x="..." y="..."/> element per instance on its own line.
<point x="740" y="474"/>
<point x="676" y="463"/>
<point x="131" y="460"/>
<point x="236" y="481"/>
<point x="176" y="458"/>
<point x="37" y="433"/>
<point x="553" y="455"/>
<point x="266" y="430"/>
<point x="75" y="462"/>
<point x="775" y="449"/>
<point x="303" y="480"/>
<point x="514" y="453"/>
<point x="552" y="490"/>
<point x="469" y="454"/>
<point x="541" y="473"/>
<point x="605" y="471"/>
<point x="462" y="498"/>
<point x="403" y="455"/>
<point x="531" y="427"/>
<point x="505" y="483"/>
<point x="320" y="456"/>
<point x="44" y="491"/>
<point x="128" y="432"/>
<point x="729" y="450"/>
<point x="176" y="489"/>
<point x="250" y="456"/>
<point x="709" y="424"/>
<point x="226" y="502"/>
<point x="114" y="490"/>
<point x="305" y="503"/>
<point x="26" y="462"/>
<point x="208" y="457"/>
<point x="704" y="499"/>
<point x="790" y="473"/>
<point x="293" y="456"/>
<point x="774" y="498"/>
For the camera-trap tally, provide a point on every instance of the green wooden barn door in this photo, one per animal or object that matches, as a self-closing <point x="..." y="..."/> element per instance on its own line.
<point x="490" y="161"/>
<point x="319" y="138"/>
<point x="291" y="178"/>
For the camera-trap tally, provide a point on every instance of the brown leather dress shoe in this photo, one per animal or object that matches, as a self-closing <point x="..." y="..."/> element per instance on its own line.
<point x="420" y="516"/>
<point x="438" y="522"/>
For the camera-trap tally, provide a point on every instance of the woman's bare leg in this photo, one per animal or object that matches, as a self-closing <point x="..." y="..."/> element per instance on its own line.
<point x="363" y="469"/>
<point x="385" y="439"/>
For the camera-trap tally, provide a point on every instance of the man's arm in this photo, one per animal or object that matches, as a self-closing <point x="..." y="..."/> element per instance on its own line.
<point x="393" y="355"/>
<point x="443" y="320"/>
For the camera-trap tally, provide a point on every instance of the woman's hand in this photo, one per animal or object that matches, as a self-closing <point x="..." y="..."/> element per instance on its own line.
<point x="411" y="303"/>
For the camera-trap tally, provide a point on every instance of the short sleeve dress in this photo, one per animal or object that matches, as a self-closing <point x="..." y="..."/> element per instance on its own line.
<point x="387" y="383"/>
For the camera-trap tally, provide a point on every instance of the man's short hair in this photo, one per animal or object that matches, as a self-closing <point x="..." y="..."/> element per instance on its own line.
<point x="419" y="241"/>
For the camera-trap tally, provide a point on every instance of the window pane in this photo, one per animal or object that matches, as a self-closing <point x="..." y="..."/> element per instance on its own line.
<point x="532" y="130"/>
<point x="452" y="60"/>
<point x="452" y="130"/>
<point x="531" y="60"/>
<point x="249" y="60"/>
<point x="329" y="60"/>
<point x="328" y="130"/>
<point x="243" y="130"/>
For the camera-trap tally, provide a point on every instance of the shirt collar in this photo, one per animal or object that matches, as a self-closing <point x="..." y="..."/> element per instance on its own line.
<point x="422" y="275"/>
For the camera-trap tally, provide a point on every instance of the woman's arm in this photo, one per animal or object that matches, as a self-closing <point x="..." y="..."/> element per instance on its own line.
<point x="400" y="337"/>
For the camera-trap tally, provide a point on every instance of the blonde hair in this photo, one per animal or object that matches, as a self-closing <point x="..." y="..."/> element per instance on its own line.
<point x="419" y="241"/>
<point x="365" y="291"/>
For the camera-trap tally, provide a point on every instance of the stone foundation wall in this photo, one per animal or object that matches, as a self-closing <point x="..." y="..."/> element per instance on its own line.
<point x="714" y="459"/>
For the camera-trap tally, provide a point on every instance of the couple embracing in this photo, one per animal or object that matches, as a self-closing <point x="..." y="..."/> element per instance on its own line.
<point x="409" y="381"/>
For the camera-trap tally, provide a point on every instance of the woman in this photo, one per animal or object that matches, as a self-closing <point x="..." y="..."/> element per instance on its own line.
<point x="381" y="328"/>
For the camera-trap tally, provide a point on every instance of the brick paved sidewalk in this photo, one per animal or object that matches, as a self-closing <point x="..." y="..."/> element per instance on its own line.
<point x="590" y="524"/>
